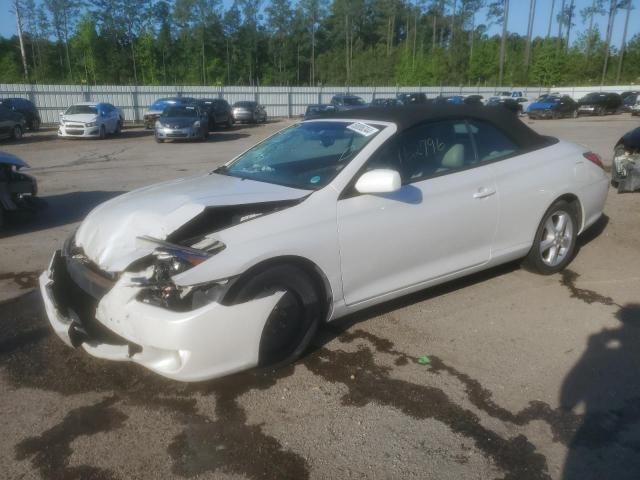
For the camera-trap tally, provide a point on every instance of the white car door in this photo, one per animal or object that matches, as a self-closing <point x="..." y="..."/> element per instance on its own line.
<point x="441" y="221"/>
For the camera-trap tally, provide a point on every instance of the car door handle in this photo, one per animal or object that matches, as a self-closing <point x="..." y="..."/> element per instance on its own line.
<point x="484" y="192"/>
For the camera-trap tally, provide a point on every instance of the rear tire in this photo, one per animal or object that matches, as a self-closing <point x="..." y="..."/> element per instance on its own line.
<point x="555" y="240"/>
<point x="294" y="321"/>
<point x="118" y="130"/>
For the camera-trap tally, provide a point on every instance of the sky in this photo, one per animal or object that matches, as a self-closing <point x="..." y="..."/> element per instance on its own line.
<point x="518" y="16"/>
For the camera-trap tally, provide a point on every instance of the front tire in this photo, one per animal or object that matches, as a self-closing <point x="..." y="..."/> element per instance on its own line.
<point x="35" y="125"/>
<point x="294" y="321"/>
<point x="103" y="132"/>
<point x="555" y="240"/>
<point x="16" y="133"/>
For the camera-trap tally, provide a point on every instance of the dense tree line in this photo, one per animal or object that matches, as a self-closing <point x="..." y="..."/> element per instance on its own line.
<point x="311" y="42"/>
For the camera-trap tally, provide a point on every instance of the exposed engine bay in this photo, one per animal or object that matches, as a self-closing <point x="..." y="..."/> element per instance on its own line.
<point x="626" y="163"/>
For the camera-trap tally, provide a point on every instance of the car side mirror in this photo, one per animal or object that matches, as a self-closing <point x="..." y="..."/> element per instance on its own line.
<point x="379" y="181"/>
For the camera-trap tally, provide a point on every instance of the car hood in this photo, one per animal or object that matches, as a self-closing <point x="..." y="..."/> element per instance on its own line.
<point x="542" y="106"/>
<point x="181" y="121"/>
<point x="9" y="159"/>
<point x="109" y="234"/>
<point x="81" y="117"/>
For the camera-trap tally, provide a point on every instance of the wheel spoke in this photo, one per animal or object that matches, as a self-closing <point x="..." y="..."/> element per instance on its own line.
<point x="553" y="255"/>
<point x="562" y="223"/>
<point x="549" y="226"/>
<point x="545" y="244"/>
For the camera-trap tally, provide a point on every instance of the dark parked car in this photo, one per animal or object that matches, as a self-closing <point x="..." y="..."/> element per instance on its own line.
<point x="510" y="104"/>
<point x="17" y="189"/>
<point x="553" y="107"/>
<point x="474" y="100"/>
<point x="413" y="98"/>
<point x="385" y="102"/>
<point x="625" y="174"/>
<point x="12" y="123"/>
<point x="249" y="111"/>
<point x="156" y="108"/>
<point x="347" y="102"/>
<point x="317" y="110"/>
<point x="26" y="108"/>
<point x="599" y="103"/>
<point x="629" y="102"/>
<point x="624" y="95"/>
<point x="219" y="112"/>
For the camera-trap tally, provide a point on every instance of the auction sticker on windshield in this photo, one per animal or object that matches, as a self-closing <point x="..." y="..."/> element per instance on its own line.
<point x="362" y="129"/>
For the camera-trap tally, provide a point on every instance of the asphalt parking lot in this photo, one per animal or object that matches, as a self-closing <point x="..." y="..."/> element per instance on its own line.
<point x="530" y="377"/>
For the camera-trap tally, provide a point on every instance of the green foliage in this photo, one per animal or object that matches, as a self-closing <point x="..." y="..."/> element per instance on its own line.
<point x="298" y="42"/>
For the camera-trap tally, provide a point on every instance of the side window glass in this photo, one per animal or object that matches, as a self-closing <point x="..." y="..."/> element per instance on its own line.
<point x="491" y="143"/>
<point x="387" y="156"/>
<point x="434" y="149"/>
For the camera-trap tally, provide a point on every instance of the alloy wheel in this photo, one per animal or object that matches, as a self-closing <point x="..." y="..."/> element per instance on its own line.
<point x="557" y="237"/>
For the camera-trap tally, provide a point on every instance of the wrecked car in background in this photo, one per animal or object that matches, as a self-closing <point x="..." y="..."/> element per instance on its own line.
<point x="625" y="174"/>
<point x="17" y="189"/>
<point x="204" y="276"/>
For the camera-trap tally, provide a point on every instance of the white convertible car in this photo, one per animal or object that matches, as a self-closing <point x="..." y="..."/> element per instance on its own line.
<point x="201" y="277"/>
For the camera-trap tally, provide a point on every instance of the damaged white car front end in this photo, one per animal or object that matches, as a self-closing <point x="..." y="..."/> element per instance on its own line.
<point x="110" y="289"/>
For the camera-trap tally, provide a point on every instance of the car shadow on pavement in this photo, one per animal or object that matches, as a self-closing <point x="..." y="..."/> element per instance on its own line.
<point x="593" y="232"/>
<point x="32" y="137"/>
<point x="336" y="328"/>
<point x="606" y="382"/>
<point x="56" y="210"/>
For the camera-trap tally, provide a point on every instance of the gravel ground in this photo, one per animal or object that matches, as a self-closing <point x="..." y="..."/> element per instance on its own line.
<point x="530" y="377"/>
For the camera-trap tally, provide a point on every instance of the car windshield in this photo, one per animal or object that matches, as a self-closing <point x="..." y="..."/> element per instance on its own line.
<point x="503" y="94"/>
<point x="75" y="109"/>
<point x="244" y="105"/>
<point x="179" y="111"/>
<point x="594" y="96"/>
<point x="353" y="101"/>
<point x="307" y="155"/>
<point x="630" y="99"/>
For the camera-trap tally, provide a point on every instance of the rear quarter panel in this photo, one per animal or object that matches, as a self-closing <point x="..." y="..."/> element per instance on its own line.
<point x="527" y="186"/>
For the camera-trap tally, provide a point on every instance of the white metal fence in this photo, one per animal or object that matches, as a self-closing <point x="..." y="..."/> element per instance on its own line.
<point x="279" y="101"/>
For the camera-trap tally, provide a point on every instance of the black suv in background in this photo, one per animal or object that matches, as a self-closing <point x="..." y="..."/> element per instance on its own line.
<point x="218" y="110"/>
<point x="12" y="123"/>
<point x="413" y="98"/>
<point x="344" y="101"/>
<point x="599" y="103"/>
<point x="26" y="108"/>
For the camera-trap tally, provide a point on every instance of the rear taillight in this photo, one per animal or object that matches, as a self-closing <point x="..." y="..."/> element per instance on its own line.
<point x="594" y="157"/>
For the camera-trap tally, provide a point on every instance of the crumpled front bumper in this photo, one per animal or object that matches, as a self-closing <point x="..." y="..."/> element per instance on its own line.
<point x="201" y="344"/>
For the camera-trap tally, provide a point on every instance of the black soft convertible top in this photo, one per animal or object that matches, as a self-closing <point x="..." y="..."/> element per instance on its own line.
<point x="410" y="115"/>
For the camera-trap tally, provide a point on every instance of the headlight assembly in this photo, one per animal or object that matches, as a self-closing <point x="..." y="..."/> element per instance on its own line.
<point x="91" y="124"/>
<point x="171" y="259"/>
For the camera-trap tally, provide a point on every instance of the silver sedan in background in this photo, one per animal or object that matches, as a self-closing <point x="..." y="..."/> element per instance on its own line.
<point x="182" y="122"/>
<point x="251" y="112"/>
